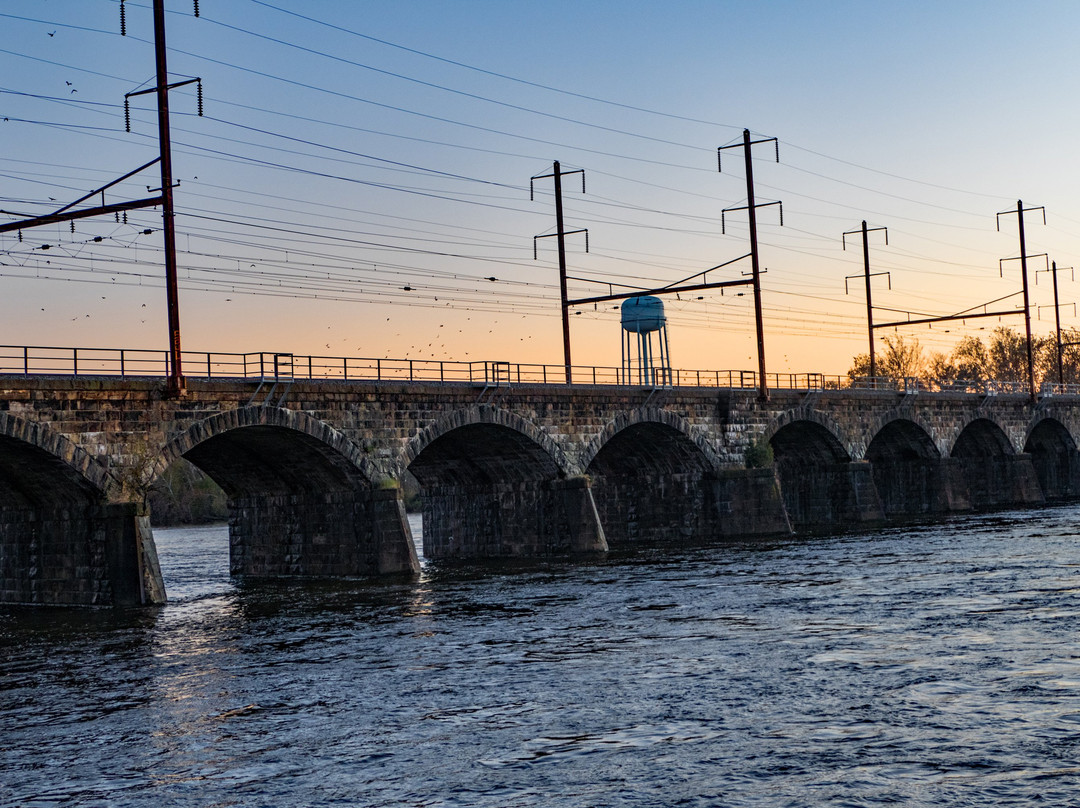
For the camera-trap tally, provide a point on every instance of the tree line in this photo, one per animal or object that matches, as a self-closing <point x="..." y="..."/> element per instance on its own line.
<point x="183" y="495"/>
<point x="1002" y="358"/>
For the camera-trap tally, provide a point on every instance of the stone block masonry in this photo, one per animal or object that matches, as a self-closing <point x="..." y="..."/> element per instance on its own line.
<point x="313" y="482"/>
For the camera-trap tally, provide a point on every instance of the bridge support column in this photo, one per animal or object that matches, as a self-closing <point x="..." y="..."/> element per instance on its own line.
<point x="1058" y="473"/>
<point x="506" y="520"/>
<point x="90" y="555"/>
<point x="335" y="534"/>
<point x="1001" y="481"/>
<point x="830" y="496"/>
<point x="582" y="526"/>
<point x="652" y="508"/>
<point x="710" y="506"/>
<point x="920" y="486"/>
<point x="746" y="503"/>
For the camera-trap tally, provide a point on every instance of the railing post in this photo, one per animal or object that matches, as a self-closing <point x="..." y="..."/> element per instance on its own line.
<point x="209" y="370"/>
<point x="122" y="374"/>
<point x="410" y="370"/>
<point x="345" y="368"/>
<point x="75" y="361"/>
<point x="262" y="365"/>
<point x="442" y="379"/>
<point x="378" y="370"/>
<point x="26" y="361"/>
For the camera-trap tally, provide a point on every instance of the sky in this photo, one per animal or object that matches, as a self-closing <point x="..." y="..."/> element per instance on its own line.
<point x="359" y="183"/>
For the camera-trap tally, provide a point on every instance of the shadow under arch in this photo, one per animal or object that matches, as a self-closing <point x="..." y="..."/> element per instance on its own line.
<point x="485" y="414"/>
<point x="64" y="537"/>
<point x="44" y="467"/>
<point x="806" y="431"/>
<point x="343" y="458"/>
<point x="653" y="479"/>
<point x="995" y="474"/>
<point x="822" y="488"/>
<point x="495" y="485"/>
<point x="692" y="448"/>
<point x="302" y="498"/>
<point x="911" y="477"/>
<point x="1055" y="458"/>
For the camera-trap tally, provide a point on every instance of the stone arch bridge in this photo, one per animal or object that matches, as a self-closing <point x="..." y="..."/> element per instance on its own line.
<point x="313" y="480"/>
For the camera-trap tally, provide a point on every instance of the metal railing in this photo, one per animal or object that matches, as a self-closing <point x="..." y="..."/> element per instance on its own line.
<point x="268" y="366"/>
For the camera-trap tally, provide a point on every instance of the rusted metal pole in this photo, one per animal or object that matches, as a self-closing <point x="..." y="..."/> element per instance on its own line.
<point x="561" y="239"/>
<point x="175" y="384"/>
<point x="763" y="388"/>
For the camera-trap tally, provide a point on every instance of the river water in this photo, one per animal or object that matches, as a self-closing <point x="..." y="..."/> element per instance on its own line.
<point x="929" y="665"/>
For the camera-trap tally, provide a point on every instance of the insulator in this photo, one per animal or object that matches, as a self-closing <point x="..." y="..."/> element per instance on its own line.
<point x="196" y="8"/>
<point x="20" y="236"/>
<point x="73" y="226"/>
<point x="123" y="20"/>
<point x="117" y="215"/>
<point x="147" y="232"/>
<point x="125" y="217"/>
<point x="97" y="239"/>
<point x="127" y="115"/>
<point x="198" y="85"/>
<point x="586" y="241"/>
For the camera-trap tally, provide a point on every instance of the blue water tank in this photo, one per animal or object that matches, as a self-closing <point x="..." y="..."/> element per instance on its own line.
<point x="641" y="315"/>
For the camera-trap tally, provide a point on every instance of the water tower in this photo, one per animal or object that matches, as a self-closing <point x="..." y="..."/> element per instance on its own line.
<point x="644" y="316"/>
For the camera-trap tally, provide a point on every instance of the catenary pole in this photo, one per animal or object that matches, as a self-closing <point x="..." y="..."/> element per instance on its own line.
<point x="175" y="384"/>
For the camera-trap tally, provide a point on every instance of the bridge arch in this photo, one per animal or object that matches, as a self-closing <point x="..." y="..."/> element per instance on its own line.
<point x="291" y="428"/>
<point x="487" y="415"/>
<point x="982" y="437"/>
<point x="652" y="478"/>
<point x="908" y="471"/>
<point x="821" y="487"/>
<point x="807" y="436"/>
<point x="303" y="499"/>
<point x="51" y="468"/>
<point x="665" y="426"/>
<point x="900" y="418"/>
<point x="493" y="484"/>
<point x="995" y="473"/>
<point x="64" y="536"/>
<point x="1054" y="456"/>
<point x="811" y="433"/>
